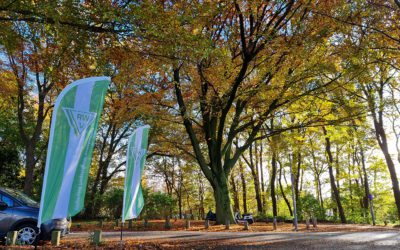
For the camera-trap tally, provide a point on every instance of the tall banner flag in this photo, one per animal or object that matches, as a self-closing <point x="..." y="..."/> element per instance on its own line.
<point x="74" y="124"/>
<point x="135" y="159"/>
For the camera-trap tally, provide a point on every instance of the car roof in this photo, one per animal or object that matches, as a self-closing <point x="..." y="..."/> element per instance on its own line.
<point x="6" y="190"/>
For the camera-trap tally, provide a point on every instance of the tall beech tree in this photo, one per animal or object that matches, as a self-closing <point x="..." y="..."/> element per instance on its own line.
<point x="231" y="85"/>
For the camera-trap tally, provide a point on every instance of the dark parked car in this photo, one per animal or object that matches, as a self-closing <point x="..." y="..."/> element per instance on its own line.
<point x="19" y="213"/>
<point x="211" y="216"/>
<point x="245" y="217"/>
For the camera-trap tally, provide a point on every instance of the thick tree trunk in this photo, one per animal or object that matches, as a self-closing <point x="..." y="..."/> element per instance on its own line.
<point x="222" y="200"/>
<point x="103" y="185"/>
<point x="30" y="163"/>
<point x="335" y="191"/>
<point x="30" y="140"/>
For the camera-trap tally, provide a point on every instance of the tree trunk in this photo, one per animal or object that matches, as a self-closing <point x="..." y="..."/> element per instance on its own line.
<point x="320" y="193"/>
<point x="258" y="194"/>
<point x="317" y="182"/>
<point x="353" y="161"/>
<point x="264" y="203"/>
<point x="254" y="174"/>
<point x="222" y="200"/>
<point x="273" y="177"/>
<point x="317" y="174"/>
<point x="235" y="194"/>
<point x="180" y="206"/>
<point x="94" y="207"/>
<point x="244" y="188"/>
<point x="301" y="180"/>
<point x="297" y="177"/>
<point x="29" y="168"/>
<point x="201" y="196"/>
<point x="382" y="141"/>
<point x="337" y="168"/>
<point x="368" y="196"/>
<point x="90" y="213"/>
<point x="282" y="192"/>
<point x="332" y="178"/>
<point x="30" y="140"/>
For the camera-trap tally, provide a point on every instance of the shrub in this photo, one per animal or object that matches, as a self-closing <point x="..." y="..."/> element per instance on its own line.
<point x="158" y="205"/>
<point x="309" y="207"/>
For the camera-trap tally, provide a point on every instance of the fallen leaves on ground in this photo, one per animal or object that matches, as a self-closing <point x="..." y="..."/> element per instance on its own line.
<point x="198" y="225"/>
<point x="179" y="225"/>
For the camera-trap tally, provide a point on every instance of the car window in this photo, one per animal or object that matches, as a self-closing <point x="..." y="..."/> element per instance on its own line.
<point x="7" y="200"/>
<point x="21" y="197"/>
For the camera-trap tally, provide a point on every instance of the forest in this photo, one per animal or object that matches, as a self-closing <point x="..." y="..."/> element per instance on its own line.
<point x="252" y="104"/>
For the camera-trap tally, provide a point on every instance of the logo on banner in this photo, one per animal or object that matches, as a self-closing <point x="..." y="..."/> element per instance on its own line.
<point x="79" y="120"/>
<point x="138" y="154"/>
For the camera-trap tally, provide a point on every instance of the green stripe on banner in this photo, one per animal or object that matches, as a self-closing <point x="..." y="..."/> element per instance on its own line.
<point x="60" y="144"/>
<point x="77" y="198"/>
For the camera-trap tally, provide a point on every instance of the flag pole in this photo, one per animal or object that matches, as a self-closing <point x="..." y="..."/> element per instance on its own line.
<point x="122" y="226"/>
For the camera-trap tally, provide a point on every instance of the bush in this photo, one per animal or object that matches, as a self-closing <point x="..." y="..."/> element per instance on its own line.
<point x="309" y="207"/>
<point x="113" y="202"/>
<point x="158" y="205"/>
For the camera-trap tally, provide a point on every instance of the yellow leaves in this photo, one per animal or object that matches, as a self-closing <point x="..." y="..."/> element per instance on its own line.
<point x="330" y="117"/>
<point x="92" y="66"/>
<point x="117" y="182"/>
<point x="8" y="88"/>
<point x="196" y="31"/>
